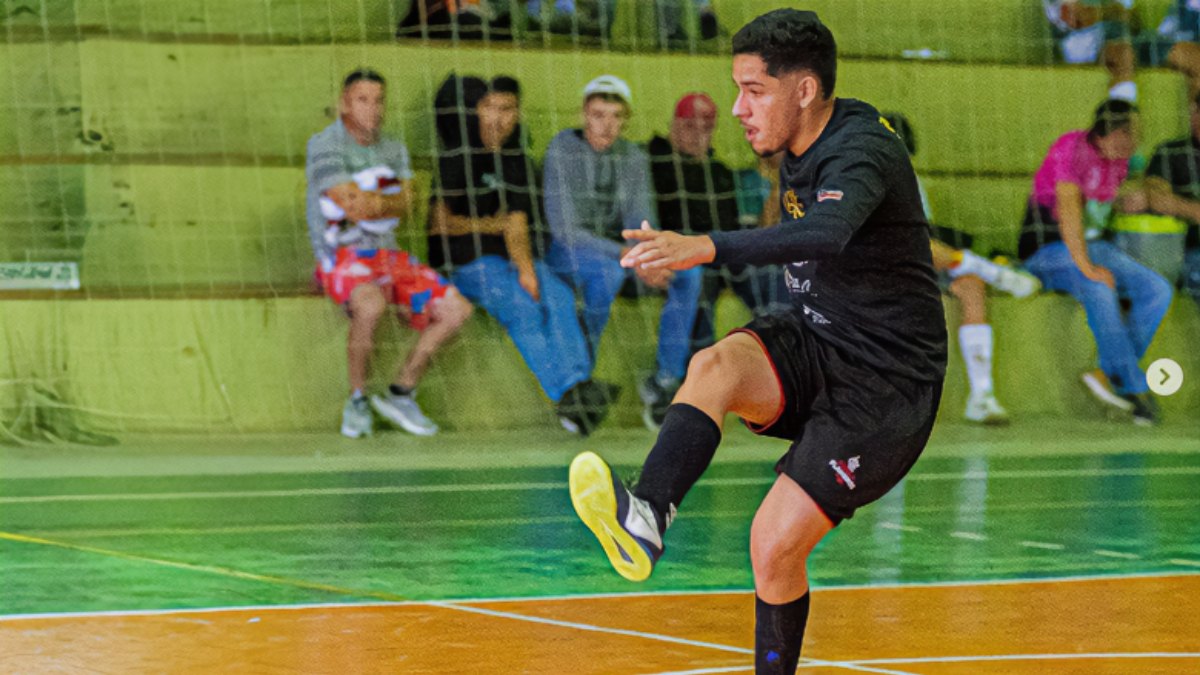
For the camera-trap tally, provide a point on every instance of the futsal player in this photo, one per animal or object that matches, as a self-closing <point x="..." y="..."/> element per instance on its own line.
<point x="850" y="374"/>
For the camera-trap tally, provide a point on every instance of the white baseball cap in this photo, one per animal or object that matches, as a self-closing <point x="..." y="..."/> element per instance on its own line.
<point x="609" y="84"/>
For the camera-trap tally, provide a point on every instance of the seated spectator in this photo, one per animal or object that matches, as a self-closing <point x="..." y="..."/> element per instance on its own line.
<point x="594" y="18"/>
<point x="480" y="221"/>
<point x="696" y="194"/>
<point x="1074" y="192"/>
<point x="965" y="275"/>
<point x="359" y="187"/>
<point x="1173" y="187"/>
<point x="463" y="19"/>
<point x="596" y="185"/>
<point x="1106" y="31"/>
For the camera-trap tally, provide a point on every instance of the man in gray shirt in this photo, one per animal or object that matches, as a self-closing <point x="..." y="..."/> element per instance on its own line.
<point x="596" y="185"/>
<point x="359" y="187"/>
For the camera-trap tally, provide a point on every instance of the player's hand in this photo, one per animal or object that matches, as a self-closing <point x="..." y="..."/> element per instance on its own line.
<point x="659" y="277"/>
<point x="1099" y="274"/>
<point x="1135" y="201"/>
<point x="364" y="206"/>
<point x="528" y="281"/>
<point x="657" y="249"/>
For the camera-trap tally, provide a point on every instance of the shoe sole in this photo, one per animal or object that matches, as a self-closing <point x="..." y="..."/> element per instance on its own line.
<point x="349" y="432"/>
<point x="595" y="501"/>
<point x="1102" y="394"/>
<point x="389" y="413"/>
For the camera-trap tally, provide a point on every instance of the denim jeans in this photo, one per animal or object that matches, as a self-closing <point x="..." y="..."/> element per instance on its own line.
<point x="1190" y="279"/>
<point x="1121" y="340"/>
<point x="762" y="289"/>
<point x="599" y="278"/>
<point x="546" y="332"/>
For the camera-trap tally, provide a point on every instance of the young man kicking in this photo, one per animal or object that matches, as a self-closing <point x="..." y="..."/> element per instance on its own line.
<point x="851" y="374"/>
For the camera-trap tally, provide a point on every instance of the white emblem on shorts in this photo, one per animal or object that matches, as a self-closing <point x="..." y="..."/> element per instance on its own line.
<point x="845" y="470"/>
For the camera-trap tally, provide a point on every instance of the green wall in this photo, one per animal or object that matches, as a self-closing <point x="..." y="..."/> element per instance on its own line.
<point x="278" y="364"/>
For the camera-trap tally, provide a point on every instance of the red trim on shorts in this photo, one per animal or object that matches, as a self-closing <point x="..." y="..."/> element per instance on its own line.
<point x="758" y="429"/>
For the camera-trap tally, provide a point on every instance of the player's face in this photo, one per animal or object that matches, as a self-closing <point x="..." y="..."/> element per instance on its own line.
<point x="767" y="107"/>
<point x="498" y="116"/>
<point x="693" y="135"/>
<point x="362" y="105"/>
<point x="603" y="122"/>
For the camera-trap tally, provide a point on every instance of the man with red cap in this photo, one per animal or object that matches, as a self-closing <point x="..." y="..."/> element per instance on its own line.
<point x="696" y="194"/>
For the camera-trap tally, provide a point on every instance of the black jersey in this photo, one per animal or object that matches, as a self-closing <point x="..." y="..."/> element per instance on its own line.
<point x="856" y="245"/>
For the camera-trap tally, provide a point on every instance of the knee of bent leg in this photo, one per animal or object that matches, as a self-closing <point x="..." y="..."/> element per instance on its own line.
<point x="709" y="364"/>
<point x="453" y="310"/>
<point x="367" y="303"/>
<point x="776" y="562"/>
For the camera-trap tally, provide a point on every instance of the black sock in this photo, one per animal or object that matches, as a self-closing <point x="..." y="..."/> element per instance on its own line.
<point x="687" y="441"/>
<point x="778" y="634"/>
<point x="397" y="390"/>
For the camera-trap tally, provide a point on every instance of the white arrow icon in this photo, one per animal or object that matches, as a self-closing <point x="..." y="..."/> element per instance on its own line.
<point x="1164" y="376"/>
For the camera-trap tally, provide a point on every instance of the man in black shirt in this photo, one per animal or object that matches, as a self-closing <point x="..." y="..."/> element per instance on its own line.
<point x="851" y="374"/>
<point x="696" y="194"/>
<point x="1173" y="186"/>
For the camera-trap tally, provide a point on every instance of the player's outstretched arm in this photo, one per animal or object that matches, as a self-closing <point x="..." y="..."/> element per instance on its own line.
<point x="659" y="249"/>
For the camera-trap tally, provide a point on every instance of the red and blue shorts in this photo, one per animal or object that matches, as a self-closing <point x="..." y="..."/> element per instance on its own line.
<point x="405" y="281"/>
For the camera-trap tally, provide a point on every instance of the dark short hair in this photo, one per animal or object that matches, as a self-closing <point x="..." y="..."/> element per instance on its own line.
<point x="1112" y="115"/>
<point x="788" y="40"/>
<point x="363" y="74"/>
<point x="503" y="84"/>
<point x="903" y="129"/>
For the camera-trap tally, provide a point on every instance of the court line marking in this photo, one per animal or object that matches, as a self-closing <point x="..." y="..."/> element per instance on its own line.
<point x="590" y="596"/>
<point x="556" y="485"/>
<point x="865" y="668"/>
<point x="957" y="659"/>
<point x="1029" y="657"/>
<point x="193" y="567"/>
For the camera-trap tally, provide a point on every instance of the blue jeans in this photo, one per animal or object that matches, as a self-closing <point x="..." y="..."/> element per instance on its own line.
<point x="599" y="278"/>
<point x="761" y="289"/>
<point x="1121" y="340"/>
<point x="1191" y="274"/>
<point x="546" y="332"/>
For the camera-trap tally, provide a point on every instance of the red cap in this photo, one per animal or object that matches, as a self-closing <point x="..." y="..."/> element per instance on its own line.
<point x="686" y="108"/>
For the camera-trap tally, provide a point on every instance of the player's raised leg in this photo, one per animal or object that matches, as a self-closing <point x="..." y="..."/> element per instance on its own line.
<point x="733" y="375"/>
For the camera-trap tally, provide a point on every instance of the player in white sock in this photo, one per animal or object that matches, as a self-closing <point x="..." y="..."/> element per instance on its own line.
<point x="966" y="276"/>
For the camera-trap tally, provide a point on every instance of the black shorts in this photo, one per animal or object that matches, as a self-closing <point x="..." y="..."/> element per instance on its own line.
<point x="855" y="430"/>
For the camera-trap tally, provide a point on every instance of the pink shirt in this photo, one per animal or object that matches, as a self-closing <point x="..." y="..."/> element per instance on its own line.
<point x="1073" y="160"/>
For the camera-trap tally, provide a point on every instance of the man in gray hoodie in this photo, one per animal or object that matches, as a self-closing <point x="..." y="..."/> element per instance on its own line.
<point x="597" y="184"/>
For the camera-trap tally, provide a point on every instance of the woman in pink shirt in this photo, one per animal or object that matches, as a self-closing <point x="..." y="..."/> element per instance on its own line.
<point x="1062" y="244"/>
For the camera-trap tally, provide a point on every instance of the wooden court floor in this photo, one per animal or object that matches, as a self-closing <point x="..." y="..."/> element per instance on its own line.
<point x="230" y="556"/>
<point x="1144" y="625"/>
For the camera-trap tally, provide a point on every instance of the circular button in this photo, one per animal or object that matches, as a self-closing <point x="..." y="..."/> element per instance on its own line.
<point x="1165" y="377"/>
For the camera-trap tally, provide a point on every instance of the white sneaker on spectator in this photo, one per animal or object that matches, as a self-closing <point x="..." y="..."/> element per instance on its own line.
<point x="1017" y="283"/>
<point x="356" y="418"/>
<point x="1097" y="383"/>
<point x="983" y="408"/>
<point x="404" y="412"/>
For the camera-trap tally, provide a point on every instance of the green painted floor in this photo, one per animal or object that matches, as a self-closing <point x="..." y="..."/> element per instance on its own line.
<point x="187" y="522"/>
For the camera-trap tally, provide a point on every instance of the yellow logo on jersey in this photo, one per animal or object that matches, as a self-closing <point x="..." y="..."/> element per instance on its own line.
<point x="792" y="204"/>
<point x="884" y="122"/>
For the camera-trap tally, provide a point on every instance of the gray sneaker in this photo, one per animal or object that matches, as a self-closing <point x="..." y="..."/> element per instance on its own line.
<point x="404" y="412"/>
<point x="356" y="418"/>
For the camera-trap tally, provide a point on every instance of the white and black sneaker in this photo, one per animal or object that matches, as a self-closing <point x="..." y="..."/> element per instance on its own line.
<point x="656" y="397"/>
<point x="404" y="412"/>
<point x="627" y="527"/>
<point x="356" y="418"/>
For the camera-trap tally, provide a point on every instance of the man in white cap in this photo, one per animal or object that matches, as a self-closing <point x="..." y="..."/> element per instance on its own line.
<point x="597" y="184"/>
